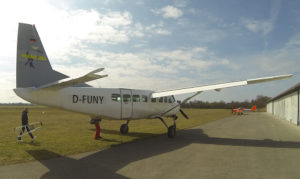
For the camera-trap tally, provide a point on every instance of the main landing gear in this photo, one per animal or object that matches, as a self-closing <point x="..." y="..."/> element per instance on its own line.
<point x="124" y="128"/>
<point x="172" y="128"/>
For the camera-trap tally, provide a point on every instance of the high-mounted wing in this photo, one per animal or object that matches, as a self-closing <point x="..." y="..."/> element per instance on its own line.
<point x="218" y="87"/>
<point x="71" y="82"/>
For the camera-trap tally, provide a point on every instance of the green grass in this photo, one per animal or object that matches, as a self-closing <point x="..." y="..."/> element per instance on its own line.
<point x="66" y="133"/>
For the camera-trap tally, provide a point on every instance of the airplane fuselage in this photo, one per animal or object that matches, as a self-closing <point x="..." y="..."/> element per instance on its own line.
<point x="110" y="103"/>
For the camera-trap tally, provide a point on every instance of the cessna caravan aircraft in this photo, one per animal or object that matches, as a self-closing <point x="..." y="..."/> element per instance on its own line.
<point x="38" y="83"/>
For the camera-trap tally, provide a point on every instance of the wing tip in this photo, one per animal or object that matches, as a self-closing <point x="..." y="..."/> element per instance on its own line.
<point x="266" y="79"/>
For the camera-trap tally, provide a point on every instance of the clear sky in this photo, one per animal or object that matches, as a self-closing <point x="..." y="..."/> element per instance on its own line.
<point x="161" y="44"/>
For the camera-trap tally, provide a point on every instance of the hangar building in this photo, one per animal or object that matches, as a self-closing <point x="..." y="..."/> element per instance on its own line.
<point x="286" y="105"/>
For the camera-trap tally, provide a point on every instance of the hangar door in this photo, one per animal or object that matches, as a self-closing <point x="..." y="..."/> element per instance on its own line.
<point x="126" y="105"/>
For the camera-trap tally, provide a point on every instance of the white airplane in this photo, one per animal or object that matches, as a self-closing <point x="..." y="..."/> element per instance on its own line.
<point x="38" y="83"/>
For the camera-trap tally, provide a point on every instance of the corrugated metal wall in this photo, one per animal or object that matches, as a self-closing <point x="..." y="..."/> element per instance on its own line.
<point x="286" y="107"/>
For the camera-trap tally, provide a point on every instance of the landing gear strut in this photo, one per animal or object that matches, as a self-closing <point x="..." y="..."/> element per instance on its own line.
<point x="124" y="128"/>
<point x="172" y="128"/>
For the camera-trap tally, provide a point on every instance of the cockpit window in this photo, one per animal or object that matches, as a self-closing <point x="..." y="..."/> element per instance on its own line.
<point x="170" y="99"/>
<point x="173" y="99"/>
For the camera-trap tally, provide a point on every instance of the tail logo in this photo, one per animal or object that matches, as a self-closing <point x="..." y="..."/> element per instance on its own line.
<point x="29" y="60"/>
<point x="31" y="57"/>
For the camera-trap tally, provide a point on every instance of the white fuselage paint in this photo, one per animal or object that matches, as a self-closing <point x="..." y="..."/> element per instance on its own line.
<point x="97" y="102"/>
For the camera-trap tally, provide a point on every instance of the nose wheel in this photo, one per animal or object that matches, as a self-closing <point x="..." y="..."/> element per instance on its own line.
<point x="171" y="129"/>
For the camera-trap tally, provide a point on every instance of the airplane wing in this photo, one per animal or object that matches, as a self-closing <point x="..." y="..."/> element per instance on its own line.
<point x="71" y="82"/>
<point x="216" y="87"/>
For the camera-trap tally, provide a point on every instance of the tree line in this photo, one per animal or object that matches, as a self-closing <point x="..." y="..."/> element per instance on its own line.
<point x="16" y="104"/>
<point x="260" y="102"/>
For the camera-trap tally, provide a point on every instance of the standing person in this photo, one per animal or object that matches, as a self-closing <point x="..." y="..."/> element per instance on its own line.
<point x="98" y="129"/>
<point x="25" y="125"/>
<point x="97" y="125"/>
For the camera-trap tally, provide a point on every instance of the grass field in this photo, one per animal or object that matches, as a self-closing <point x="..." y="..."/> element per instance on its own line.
<point x="66" y="133"/>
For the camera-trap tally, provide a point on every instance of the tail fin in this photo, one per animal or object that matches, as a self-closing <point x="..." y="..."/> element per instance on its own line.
<point x="33" y="66"/>
<point x="253" y="108"/>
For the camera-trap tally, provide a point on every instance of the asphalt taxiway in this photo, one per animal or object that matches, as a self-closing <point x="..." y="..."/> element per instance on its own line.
<point x="247" y="146"/>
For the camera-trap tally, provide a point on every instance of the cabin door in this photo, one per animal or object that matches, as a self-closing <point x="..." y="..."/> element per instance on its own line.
<point x="126" y="105"/>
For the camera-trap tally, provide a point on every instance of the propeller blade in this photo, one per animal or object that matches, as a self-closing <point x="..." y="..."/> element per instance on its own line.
<point x="184" y="115"/>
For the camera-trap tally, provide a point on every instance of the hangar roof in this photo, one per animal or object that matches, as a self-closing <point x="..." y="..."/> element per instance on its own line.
<point x="288" y="91"/>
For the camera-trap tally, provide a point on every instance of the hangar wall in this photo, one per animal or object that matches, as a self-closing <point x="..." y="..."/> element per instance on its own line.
<point x="286" y="105"/>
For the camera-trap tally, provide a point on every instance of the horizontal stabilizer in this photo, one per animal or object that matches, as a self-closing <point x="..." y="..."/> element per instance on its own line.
<point x="72" y="82"/>
<point x="218" y="87"/>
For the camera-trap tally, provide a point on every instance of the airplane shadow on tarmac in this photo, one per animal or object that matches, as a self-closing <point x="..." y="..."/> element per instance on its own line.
<point x="106" y="163"/>
<point x="132" y="134"/>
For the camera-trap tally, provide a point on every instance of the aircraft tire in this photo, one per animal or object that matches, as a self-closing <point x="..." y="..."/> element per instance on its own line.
<point x="172" y="131"/>
<point x="124" y="129"/>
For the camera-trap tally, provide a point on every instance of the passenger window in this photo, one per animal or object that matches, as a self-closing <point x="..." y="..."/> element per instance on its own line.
<point x="116" y="97"/>
<point x="153" y="100"/>
<point x="136" y="98"/>
<point x="126" y="98"/>
<point x="144" y="98"/>
<point x="161" y="99"/>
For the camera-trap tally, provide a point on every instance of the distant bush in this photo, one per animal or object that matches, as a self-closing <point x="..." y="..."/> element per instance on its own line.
<point x="16" y="104"/>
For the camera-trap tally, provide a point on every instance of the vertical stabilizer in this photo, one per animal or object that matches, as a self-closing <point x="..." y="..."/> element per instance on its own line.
<point x="33" y="66"/>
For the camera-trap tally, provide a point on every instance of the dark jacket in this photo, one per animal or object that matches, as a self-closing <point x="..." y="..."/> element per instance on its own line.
<point x="24" y="118"/>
